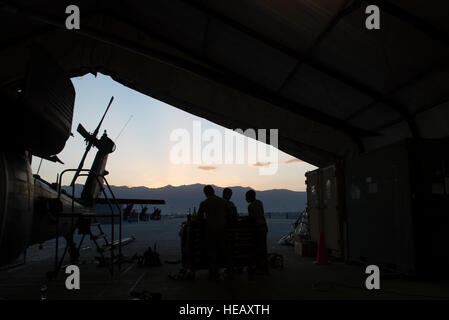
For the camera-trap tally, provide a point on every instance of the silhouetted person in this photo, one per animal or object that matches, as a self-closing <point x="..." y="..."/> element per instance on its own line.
<point x="231" y="209"/>
<point x="213" y="210"/>
<point x="257" y="217"/>
<point x="231" y="218"/>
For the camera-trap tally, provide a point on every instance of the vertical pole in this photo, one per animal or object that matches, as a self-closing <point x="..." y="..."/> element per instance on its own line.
<point x="320" y="190"/>
<point x="120" y="238"/>
<point x="73" y="206"/>
<point x="57" y="246"/>
<point x="120" y="222"/>
<point x="112" y="220"/>
<point x="112" y="241"/>
<point x="59" y="180"/>
<point x="39" y="168"/>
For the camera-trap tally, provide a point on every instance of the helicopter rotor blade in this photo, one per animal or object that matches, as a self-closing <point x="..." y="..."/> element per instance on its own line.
<point x="102" y="118"/>
<point x="83" y="132"/>
<point x="90" y="138"/>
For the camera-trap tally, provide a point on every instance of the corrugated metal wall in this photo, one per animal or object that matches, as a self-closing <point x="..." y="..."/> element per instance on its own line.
<point x="379" y="213"/>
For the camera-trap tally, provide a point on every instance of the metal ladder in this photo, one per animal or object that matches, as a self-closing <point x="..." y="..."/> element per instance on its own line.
<point x="87" y="230"/>
<point x="84" y="224"/>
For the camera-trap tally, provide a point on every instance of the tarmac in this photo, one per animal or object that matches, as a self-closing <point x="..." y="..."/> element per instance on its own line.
<point x="298" y="279"/>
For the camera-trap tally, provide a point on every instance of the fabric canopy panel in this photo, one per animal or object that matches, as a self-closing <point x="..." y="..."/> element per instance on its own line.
<point x="309" y="68"/>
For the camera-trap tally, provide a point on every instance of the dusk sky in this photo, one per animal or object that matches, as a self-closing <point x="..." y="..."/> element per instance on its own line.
<point x="142" y="157"/>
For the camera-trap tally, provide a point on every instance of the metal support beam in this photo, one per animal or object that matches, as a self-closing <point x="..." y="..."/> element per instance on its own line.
<point x="407" y="17"/>
<point x="444" y="65"/>
<point x="420" y="111"/>
<point x="330" y="26"/>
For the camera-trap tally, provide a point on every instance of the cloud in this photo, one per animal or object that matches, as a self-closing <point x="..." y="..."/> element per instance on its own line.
<point x="266" y="164"/>
<point x="206" y="168"/>
<point x="261" y="164"/>
<point x="292" y="161"/>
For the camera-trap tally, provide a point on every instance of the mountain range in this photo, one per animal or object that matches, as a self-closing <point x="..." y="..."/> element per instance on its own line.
<point x="179" y="199"/>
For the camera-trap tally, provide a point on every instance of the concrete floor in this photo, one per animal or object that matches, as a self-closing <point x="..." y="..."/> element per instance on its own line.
<point x="299" y="279"/>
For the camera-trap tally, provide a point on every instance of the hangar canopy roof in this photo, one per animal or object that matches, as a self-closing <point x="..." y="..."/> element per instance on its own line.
<point x="310" y="68"/>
